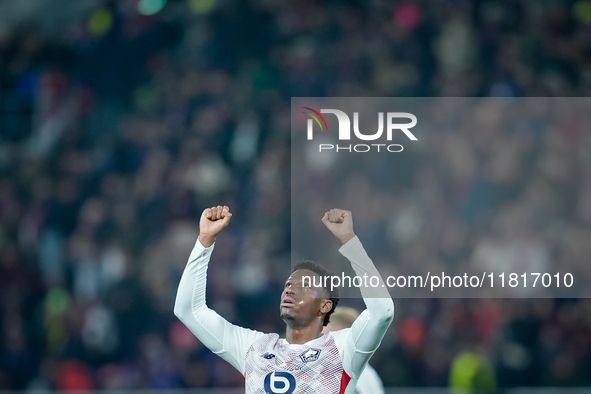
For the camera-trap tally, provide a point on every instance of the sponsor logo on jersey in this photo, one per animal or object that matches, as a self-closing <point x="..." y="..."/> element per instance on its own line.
<point x="268" y="355"/>
<point x="310" y="355"/>
<point x="279" y="383"/>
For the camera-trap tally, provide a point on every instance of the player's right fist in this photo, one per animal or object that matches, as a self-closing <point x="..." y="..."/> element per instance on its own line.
<point x="213" y="221"/>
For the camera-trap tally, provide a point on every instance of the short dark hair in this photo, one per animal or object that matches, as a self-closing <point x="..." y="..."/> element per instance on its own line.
<point x="333" y="294"/>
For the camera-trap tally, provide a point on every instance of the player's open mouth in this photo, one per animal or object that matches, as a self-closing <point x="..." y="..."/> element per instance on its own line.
<point x="288" y="302"/>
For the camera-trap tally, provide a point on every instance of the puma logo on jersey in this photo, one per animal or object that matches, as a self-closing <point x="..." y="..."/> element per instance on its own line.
<point x="310" y="355"/>
<point x="268" y="356"/>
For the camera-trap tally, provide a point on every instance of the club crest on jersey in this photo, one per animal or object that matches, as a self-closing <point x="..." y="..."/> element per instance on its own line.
<point x="268" y="355"/>
<point x="310" y="355"/>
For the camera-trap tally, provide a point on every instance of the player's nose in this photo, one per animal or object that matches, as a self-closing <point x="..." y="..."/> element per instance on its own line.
<point x="288" y="291"/>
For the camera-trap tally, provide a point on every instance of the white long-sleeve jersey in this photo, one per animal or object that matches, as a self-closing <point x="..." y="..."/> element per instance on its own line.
<point x="329" y="364"/>
<point x="369" y="382"/>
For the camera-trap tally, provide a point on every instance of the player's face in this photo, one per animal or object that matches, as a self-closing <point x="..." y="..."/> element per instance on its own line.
<point x="300" y="300"/>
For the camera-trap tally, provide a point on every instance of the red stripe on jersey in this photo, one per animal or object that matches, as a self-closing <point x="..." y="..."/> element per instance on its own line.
<point x="344" y="382"/>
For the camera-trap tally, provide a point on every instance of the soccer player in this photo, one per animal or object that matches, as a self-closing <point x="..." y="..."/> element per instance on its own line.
<point x="306" y="361"/>
<point x="369" y="382"/>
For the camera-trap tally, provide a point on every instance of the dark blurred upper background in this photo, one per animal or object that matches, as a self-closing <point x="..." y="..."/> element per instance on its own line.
<point x="121" y="120"/>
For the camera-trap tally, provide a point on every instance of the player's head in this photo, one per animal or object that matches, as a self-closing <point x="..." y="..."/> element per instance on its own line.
<point x="343" y="317"/>
<point x="304" y="298"/>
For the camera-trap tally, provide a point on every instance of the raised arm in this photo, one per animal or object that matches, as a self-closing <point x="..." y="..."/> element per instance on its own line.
<point x="365" y="335"/>
<point x="224" y="339"/>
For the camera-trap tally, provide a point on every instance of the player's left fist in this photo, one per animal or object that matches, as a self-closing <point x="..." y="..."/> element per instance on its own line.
<point x="213" y="221"/>
<point x="340" y="223"/>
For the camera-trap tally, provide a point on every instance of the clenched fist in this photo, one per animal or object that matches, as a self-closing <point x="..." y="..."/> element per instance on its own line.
<point x="213" y="221"/>
<point x="340" y="223"/>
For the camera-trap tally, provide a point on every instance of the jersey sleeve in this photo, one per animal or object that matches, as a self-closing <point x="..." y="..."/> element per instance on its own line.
<point x="358" y="343"/>
<point x="369" y="382"/>
<point x="228" y="341"/>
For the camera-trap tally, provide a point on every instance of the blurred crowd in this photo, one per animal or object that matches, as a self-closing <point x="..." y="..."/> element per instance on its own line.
<point x="116" y="131"/>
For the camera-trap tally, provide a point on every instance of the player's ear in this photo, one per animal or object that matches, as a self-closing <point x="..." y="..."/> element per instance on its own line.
<point x="325" y="306"/>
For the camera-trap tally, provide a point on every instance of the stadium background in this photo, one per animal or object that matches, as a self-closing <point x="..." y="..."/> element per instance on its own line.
<point x="117" y="128"/>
